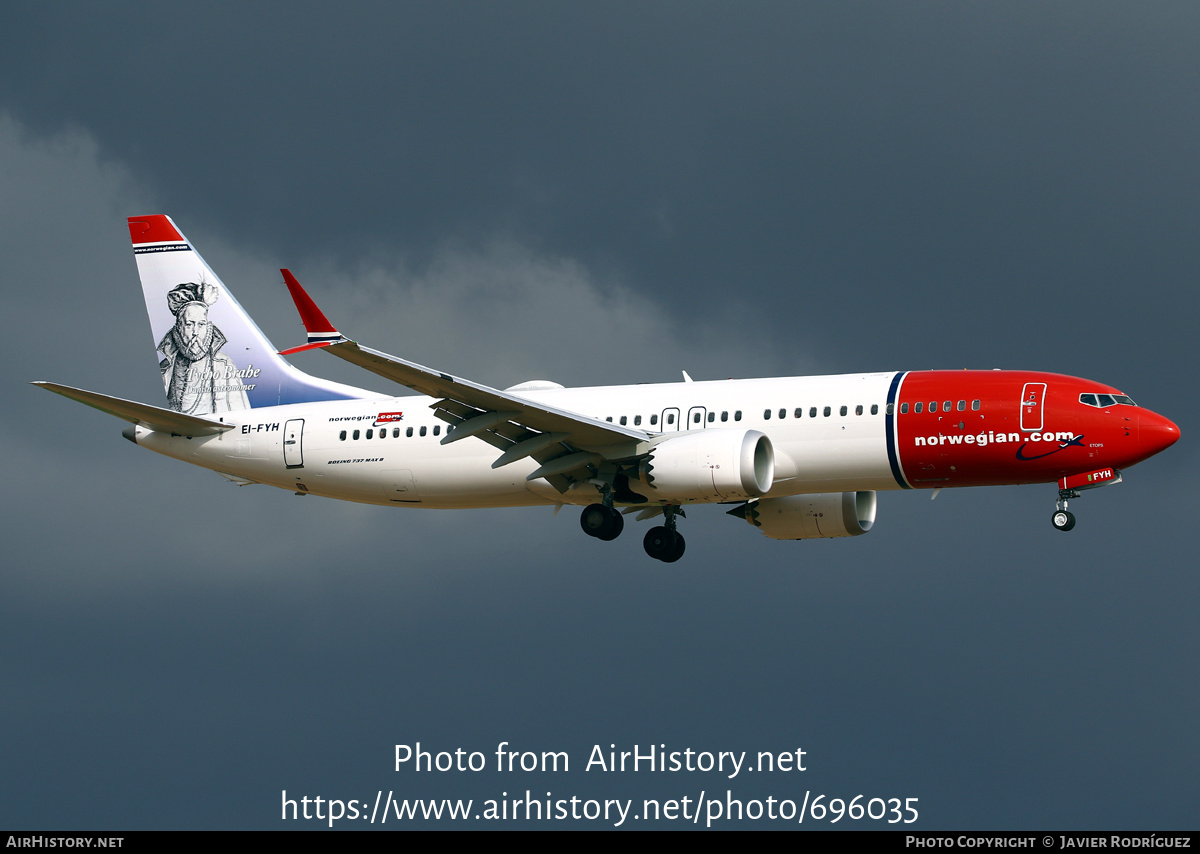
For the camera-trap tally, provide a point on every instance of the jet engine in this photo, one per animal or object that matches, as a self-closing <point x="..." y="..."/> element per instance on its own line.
<point x="805" y="517"/>
<point x="709" y="465"/>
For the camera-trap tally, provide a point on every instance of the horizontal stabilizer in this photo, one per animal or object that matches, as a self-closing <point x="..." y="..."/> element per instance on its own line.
<point x="150" y="417"/>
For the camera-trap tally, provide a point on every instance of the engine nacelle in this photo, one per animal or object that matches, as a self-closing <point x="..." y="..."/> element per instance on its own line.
<point x="805" y="517"/>
<point x="710" y="465"/>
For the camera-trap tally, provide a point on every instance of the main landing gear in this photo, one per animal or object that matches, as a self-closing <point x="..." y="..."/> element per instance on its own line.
<point x="605" y="522"/>
<point x="663" y="542"/>
<point x="1063" y="519"/>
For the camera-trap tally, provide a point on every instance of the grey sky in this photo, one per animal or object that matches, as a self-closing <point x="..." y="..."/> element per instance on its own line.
<point x="596" y="193"/>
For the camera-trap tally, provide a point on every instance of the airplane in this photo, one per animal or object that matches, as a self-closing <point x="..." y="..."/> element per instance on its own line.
<point x="796" y="457"/>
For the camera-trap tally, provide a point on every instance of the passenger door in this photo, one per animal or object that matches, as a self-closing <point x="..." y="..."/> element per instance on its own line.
<point x="293" y="443"/>
<point x="1033" y="396"/>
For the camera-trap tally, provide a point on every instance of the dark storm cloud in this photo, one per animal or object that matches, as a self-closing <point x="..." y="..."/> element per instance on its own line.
<point x="586" y="193"/>
<point x="1036" y="160"/>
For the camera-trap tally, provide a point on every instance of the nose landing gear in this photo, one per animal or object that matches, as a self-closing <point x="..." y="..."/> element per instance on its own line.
<point x="1063" y="519"/>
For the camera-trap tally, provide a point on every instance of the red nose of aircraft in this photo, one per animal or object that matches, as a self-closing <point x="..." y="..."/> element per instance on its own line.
<point x="1156" y="432"/>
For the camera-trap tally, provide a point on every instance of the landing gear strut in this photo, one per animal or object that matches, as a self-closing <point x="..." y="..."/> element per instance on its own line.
<point x="1063" y="519"/>
<point x="663" y="542"/>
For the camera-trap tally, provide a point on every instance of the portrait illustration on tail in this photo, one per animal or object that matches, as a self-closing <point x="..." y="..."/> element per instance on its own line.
<point x="199" y="379"/>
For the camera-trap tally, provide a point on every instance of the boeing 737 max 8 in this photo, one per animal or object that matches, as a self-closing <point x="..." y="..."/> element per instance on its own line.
<point x="799" y="457"/>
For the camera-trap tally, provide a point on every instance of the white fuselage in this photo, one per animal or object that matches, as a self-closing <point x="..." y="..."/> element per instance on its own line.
<point x="344" y="449"/>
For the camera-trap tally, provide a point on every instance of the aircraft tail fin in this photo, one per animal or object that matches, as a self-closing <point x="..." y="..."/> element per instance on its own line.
<point x="213" y="358"/>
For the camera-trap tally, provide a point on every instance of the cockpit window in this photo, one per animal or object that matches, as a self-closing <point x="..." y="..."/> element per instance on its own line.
<point x="1105" y="400"/>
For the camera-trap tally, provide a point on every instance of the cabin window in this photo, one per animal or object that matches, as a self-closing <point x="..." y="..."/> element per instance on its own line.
<point x="653" y="420"/>
<point x="858" y="409"/>
<point x="342" y="435"/>
<point x="670" y="419"/>
<point x="437" y="429"/>
<point x="737" y="415"/>
<point x="355" y="435"/>
<point x="695" y="417"/>
<point x="725" y="415"/>
<point x="370" y="434"/>
<point x="875" y="409"/>
<point x="812" y="412"/>
<point x="962" y="405"/>
<point x="766" y="414"/>
<point x="946" y="406"/>
<point x="842" y="411"/>
<point x="712" y="416"/>
<point x="408" y="432"/>
<point x="782" y="414"/>
<point x="799" y="413"/>
<point x="623" y="420"/>
<point x="933" y="406"/>
<point x="637" y="421"/>
<point x="395" y="432"/>
<point x="828" y="411"/>
<point x="423" y="428"/>
<point x="917" y="407"/>
<point x="975" y="405"/>
<point x="904" y="409"/>
<point x="609" y="419"/>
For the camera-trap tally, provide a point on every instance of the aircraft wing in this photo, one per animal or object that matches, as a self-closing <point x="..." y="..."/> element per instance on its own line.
<point x="563" y="442"/>
<point x="150" y="417"/>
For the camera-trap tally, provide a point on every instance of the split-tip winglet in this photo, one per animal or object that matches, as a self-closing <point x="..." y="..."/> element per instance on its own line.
<point x="320" y="331"/>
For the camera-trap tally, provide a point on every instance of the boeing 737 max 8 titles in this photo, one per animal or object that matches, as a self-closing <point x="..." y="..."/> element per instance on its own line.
<point x="798" y="457"/>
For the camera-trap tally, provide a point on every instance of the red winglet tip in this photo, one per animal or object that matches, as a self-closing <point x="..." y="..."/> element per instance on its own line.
<point x="313" y="318"/>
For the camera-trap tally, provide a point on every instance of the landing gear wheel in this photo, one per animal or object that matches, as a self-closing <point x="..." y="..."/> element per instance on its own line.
<point x="601" y="522"/>
<point x="654" y="541"/>
<point x="616" y="524"/>
<point x="1064" y="520"/>
<point x="663" y="544"/>
<point x="675" y="551"/>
